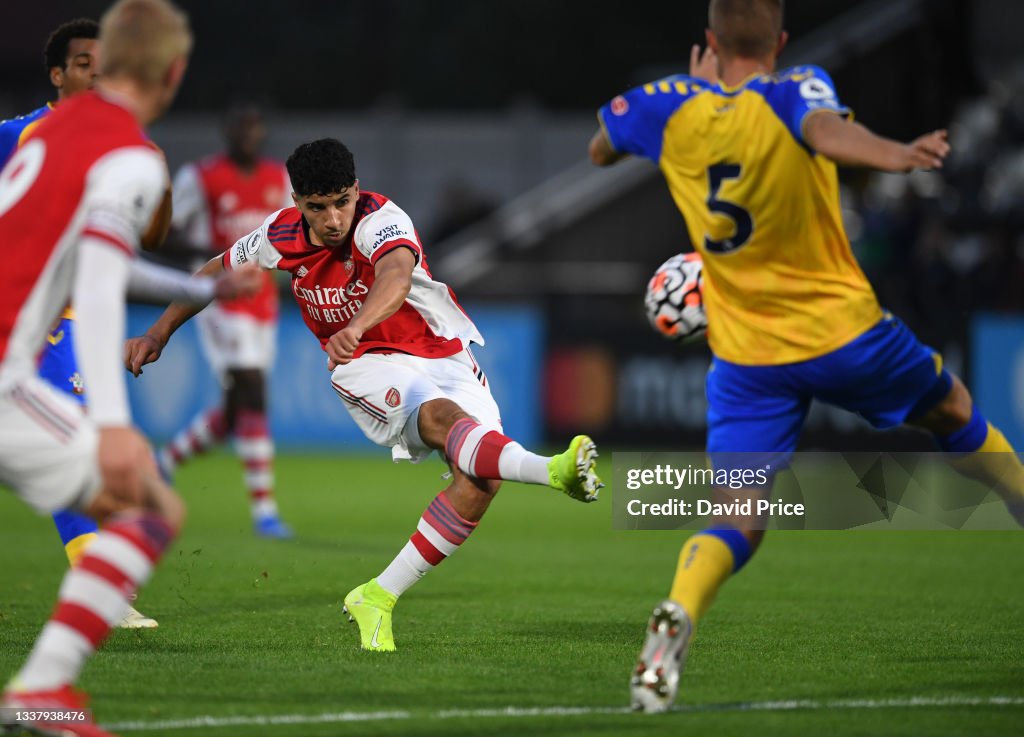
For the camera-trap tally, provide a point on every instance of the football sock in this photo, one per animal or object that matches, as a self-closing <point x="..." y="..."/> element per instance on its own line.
<point x="256" y="451"/>
<point x="205" y="431"/>
<point x="484" y="453"/>
<point x="705" y="562"/>
<point x="76" y="532"/>
<point x="981" y="452"/>
<point x="441" y="530"/>
<point x="93" y="598"/>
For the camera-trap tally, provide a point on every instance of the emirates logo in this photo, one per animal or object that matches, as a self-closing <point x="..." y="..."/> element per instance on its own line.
<point x="392" y="398"/>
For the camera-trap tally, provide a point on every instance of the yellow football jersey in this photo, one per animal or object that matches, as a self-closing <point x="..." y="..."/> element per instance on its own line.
<point x="780" y="281"/>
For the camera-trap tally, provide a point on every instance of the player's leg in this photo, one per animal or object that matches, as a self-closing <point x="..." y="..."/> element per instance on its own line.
<point x="245" y="401"/>
<point x="754" y="413"/>
<point x="48" y="456"/>
<point x="59" y="367"/>
<point x="977" y="449"/>
<point x="890" y="377"/>
<point x="461" y="429"/>
<point x="445" y="525"/>
<point x="413" y="405"/>
<point x="205" y="431"/>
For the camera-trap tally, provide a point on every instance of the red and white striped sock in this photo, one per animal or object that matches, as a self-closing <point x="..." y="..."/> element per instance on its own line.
<point x="93" y="598"/>
<point x="256" y="450"/>
<point x="441" y="530"/>
<point x="485" y="453"/>
<point x="205" y="431"/>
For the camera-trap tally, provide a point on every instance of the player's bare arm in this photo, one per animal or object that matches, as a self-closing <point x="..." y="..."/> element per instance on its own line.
<point x="852" y="144"/>
<point x="601" y="151"/>
<point x="147" y="348"/>
<point x="392" y="281"/>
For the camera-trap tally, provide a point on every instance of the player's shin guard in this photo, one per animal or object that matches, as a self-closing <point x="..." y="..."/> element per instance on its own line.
<point x="705" y="562"/>
<point x="981" y="452"/>
<point x="93" y="598"/>
<point x="441" y="530"/>
<point x="256" y="451"/>
<point x="76" y="531"/>
<point x="204" y="432"/>
<point x="484" y="453"/>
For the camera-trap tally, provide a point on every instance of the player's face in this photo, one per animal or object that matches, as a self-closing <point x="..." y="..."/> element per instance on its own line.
<point x="81" y="67"/>
<point x="246" y="135"/>
<point x="329" y="216"/>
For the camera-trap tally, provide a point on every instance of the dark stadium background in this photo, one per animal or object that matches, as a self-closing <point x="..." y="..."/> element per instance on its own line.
<point x="475" y="117"/>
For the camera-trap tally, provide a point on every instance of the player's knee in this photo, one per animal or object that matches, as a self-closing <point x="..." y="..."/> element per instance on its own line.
<point x="952" y="413"/>
<point x="436" y="418"/>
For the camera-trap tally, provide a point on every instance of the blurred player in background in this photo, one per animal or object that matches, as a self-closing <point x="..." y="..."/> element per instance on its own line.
<point x="72" y="58"/>
<point x="216" y="202"/>
<point x="73" y="210"/>
<point x="399" y="350"/>
<point x="751" y="162"/>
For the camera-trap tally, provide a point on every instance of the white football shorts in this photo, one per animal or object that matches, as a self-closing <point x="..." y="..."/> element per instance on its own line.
<point x="235" y="340"/>
<point x="383" y="391"/>
<point x="48" y="447"/>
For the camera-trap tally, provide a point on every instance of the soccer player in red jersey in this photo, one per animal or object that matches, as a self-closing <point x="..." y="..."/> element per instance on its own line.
<point x="73" y="210"/>
<point x="216" y="202"/>
<point x="398" y="347"/>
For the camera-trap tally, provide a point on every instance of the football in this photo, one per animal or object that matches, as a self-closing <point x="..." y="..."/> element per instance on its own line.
<point x="674" y="299"/>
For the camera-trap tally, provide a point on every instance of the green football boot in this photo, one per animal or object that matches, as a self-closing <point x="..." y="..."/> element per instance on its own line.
<point x="369" y="606"/>
<point x="573" y="472"/>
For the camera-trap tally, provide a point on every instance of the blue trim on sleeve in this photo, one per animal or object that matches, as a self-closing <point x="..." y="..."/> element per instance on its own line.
<point x="10" y="131"/>
<point x="737" y="542"/>
<point x="796" y="93"/>
<point x="635" y="121"/>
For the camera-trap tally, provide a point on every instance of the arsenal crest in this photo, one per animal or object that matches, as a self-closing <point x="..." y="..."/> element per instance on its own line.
<point x="393" y="398"/>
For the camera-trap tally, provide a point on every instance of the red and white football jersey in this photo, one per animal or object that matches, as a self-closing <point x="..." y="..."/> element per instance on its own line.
<point x="87" y="171"/>
<point x="216" y="203"/>
<point x="330" y="284"/>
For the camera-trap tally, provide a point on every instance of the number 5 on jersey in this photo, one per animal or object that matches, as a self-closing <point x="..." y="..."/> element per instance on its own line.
<point x="743" y="223"/>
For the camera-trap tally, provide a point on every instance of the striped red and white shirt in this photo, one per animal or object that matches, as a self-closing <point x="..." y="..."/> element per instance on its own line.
<point x="75" y="198"/>
<point x="330" y="284"/>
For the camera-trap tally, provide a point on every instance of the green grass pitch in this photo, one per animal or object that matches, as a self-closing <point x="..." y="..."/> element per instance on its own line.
<point x="839" y="633"/>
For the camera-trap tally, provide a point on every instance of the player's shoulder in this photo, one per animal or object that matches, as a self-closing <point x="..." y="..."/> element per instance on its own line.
<point x="806" y="80"/>
<point x="662" y="95"/>
<point x="210" y="164"/>
<point x="20" y="121"/>
<point x="372" y="202"/>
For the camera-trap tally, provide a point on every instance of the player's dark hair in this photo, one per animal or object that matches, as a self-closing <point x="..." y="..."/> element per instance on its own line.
<point x="55" y="54"/>
<point x="321" y="167"/>
<point x="746" y="28"/>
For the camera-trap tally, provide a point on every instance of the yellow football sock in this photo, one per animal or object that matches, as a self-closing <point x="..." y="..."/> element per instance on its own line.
<point x="996" y="465"/>
<point x="704" y="563"/>
<point x="76" y="547"/>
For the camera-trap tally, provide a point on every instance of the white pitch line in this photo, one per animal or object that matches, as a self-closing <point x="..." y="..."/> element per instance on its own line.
<point x="514" y="712"/>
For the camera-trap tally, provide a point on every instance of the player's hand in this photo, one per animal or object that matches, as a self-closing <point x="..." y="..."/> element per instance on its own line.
<point x="140" y="351"/>
<point x="342" y="345"/>
<point x="704" y="65"/>
<point x="242" y="282"/>
<point x="124" y="457"/>
<point x="928" y="151"/>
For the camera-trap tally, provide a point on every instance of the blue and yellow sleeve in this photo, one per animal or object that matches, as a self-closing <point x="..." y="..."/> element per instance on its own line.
<point x="14" y="131"/>
<point x="801" y="91"/>
<point x="635" y="121"/>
